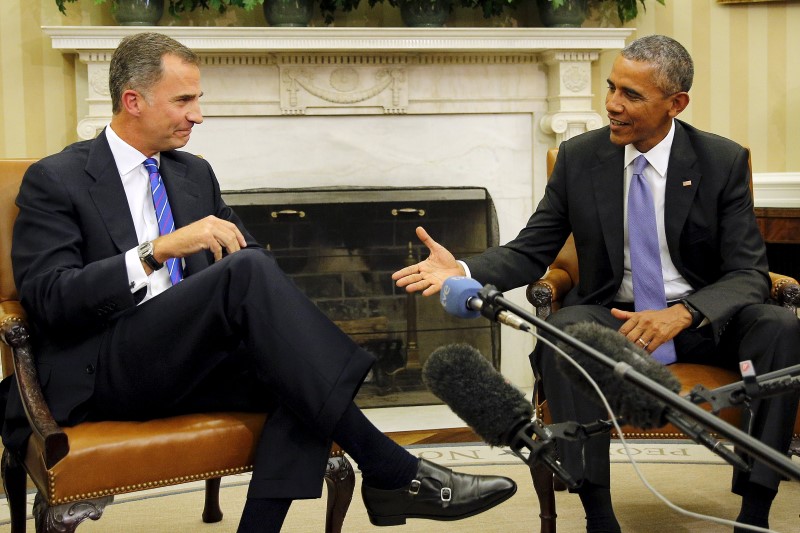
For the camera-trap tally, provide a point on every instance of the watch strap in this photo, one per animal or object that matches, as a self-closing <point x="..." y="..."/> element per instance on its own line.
<point x="697" y="316"/>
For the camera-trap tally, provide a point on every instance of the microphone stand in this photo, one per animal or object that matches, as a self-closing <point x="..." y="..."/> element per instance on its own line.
<point x="750" y="388"/>
<point x="494" y="303"/>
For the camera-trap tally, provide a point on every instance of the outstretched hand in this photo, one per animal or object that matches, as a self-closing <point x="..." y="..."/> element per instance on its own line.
<point x="428" y="275"/>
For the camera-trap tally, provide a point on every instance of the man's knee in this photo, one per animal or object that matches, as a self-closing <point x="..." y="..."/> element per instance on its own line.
<point x="773" y="319"/>
<point x="250" y="260"/>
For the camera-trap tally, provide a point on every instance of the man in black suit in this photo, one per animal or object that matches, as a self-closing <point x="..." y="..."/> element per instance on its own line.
<point x="712" y="256"/>
<point x="118" y="337"/>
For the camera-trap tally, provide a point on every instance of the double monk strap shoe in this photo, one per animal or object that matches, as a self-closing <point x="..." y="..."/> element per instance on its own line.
<point x="436" y="493"/>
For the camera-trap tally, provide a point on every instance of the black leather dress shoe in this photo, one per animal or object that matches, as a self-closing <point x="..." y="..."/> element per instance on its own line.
<point x="436" y="493"/>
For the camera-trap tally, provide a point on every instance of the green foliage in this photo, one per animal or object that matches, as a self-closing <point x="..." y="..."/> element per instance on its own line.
<point x="627" y="10"/>
<point x="177" y="7"/>
<point x="329" y="7"/>
<point x="490" y="8"/>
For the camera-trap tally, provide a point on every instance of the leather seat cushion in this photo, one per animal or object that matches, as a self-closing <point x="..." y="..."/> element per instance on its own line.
<point x="689" y="375"/>
<point x="147" y="454"/>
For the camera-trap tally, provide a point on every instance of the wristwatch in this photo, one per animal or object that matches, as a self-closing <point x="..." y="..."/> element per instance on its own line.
<point x="145" y="251"/>
<point x="697" y="316"/>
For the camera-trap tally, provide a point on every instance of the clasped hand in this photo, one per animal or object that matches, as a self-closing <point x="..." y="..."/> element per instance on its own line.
<point x="651" y="329"/>
<point x="210" y="233"/>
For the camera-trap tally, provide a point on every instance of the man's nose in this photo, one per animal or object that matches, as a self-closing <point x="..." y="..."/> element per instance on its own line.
<point x="613" y="105"/>
<point x="195" y="114"/>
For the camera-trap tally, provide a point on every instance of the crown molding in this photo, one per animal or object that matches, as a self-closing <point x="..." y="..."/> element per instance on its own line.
<point x="78" y="39"/>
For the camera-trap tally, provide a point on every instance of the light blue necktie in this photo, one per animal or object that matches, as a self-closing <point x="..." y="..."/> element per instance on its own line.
<point x="648" y="280"/>
<point x="164" y="215"/>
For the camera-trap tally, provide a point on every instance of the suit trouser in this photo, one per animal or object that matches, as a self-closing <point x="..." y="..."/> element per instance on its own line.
<point x="766" y="334"/>
<point x="237" y="335"/>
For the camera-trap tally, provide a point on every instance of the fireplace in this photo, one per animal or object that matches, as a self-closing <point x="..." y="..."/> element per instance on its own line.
<point x="340" y="247"/>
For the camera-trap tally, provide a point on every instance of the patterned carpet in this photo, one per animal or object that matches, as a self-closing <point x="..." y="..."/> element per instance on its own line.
<point x="685" y="473"/>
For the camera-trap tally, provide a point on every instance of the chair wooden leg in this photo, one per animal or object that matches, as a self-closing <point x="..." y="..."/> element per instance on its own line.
<point x="341" y="481"/>
<point x="543" y="485"/>
<point x="14" y="483"/>
<point x="211" y="510"/>
<point x="66" y="517"/>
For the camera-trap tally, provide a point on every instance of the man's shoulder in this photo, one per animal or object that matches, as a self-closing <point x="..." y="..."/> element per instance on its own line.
<point x="707" y="144"/>
<point x="185" y="158"/>
<point x="75" y="153"/>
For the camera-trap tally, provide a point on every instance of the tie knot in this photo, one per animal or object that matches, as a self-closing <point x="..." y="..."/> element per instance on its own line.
<point x="151" y="164"/>
<point x="639" y="164"/>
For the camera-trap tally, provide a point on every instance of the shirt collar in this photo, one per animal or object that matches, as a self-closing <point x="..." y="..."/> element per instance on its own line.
<point x="126" y="157"/>
<point x="657" y="156"/>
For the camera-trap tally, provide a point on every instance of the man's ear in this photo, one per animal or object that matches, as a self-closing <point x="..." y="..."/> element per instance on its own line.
<point x="679" y="103"/>
<point x="132" y="101"/>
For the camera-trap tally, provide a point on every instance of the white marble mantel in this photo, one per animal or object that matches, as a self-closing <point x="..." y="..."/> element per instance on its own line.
<point x="397" y="107"/>
<point x="566" y="54"/>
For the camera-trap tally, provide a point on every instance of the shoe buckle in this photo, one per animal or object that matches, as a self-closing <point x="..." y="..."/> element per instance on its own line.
<point x="446" y="494"/>
<point x="413" y="489"/>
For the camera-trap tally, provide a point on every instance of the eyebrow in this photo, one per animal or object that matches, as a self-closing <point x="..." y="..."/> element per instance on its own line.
<point x="628" y="90"/>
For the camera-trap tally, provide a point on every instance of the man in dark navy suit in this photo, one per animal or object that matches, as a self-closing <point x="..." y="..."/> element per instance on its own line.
<point x="119" y="335"/>
<point x="713" y="262"/>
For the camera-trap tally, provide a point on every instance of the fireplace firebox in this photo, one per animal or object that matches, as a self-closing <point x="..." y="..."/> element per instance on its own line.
<point x="340" y="247"/>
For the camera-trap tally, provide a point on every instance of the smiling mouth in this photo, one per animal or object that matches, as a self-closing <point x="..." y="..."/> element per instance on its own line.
<point x="617" y="122"/>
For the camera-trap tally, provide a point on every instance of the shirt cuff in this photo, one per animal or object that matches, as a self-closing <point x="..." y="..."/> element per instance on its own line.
<point x="137" y="278"/>
<point x="466" y="269"/>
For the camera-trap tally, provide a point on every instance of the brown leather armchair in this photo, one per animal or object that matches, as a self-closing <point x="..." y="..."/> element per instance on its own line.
<point x="547" y="293"/>
<point x="78" y="470"/>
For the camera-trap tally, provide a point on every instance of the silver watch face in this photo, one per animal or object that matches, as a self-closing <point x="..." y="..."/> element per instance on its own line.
<point x="145" y="249"/>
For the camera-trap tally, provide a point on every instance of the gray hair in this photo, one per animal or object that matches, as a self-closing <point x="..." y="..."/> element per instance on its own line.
<point x="136" y="64"/>
<point x="673" y="66"/>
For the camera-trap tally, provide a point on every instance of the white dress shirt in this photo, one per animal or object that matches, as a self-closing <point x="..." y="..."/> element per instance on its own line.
<point x="136" y="182"/>
<point x="656" y="175"/>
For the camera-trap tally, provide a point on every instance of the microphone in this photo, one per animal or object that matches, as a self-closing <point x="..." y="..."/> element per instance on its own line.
<point x="459" y="297"/>
<point x="499" y="413"/>
<point x="637" y="407"/>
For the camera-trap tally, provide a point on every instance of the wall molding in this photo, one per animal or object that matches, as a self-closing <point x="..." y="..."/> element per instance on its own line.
<point x="776" y="189"/>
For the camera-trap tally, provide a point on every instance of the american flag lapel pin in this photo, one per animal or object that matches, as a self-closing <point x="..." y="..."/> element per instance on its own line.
<point x="687" y="183"/>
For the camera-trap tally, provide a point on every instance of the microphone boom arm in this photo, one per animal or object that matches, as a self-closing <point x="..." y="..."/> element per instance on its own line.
<point x="494" y="300"/>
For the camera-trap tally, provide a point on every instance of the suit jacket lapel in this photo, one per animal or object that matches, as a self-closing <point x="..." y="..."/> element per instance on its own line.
<point x="683" y="180"/>
<point x="184" y="200"/>
<point x="108" y="194"/>
<point x="181" y="191"/>
<point x="608" y="187"/>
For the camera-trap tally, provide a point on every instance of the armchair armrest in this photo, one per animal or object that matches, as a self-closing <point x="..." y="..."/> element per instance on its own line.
<point x="785" y="291"/>
<point x="548" y="290"/>
<point x="46" y="432"/>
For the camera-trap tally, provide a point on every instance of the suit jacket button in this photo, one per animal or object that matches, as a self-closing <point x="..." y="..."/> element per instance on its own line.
<point x="90" y="368"/>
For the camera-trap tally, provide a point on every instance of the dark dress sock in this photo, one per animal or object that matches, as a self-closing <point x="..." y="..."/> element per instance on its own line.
<point x="263" y="515"/>
<point x="756" y="503"/>
<point x="384" y="464"/>
<point x="596" y="502"/>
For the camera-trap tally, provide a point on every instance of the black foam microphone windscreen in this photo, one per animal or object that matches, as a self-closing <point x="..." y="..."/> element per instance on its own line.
<point x="460" y="376"/>
<point x="632" y="403"/>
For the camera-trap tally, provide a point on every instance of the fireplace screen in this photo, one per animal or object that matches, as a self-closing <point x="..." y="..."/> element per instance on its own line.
<point x="340" y="246"/>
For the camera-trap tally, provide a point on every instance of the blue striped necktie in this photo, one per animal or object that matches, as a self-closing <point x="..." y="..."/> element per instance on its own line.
<point x="648" y="280"/>
<point x="163" y="214"/>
